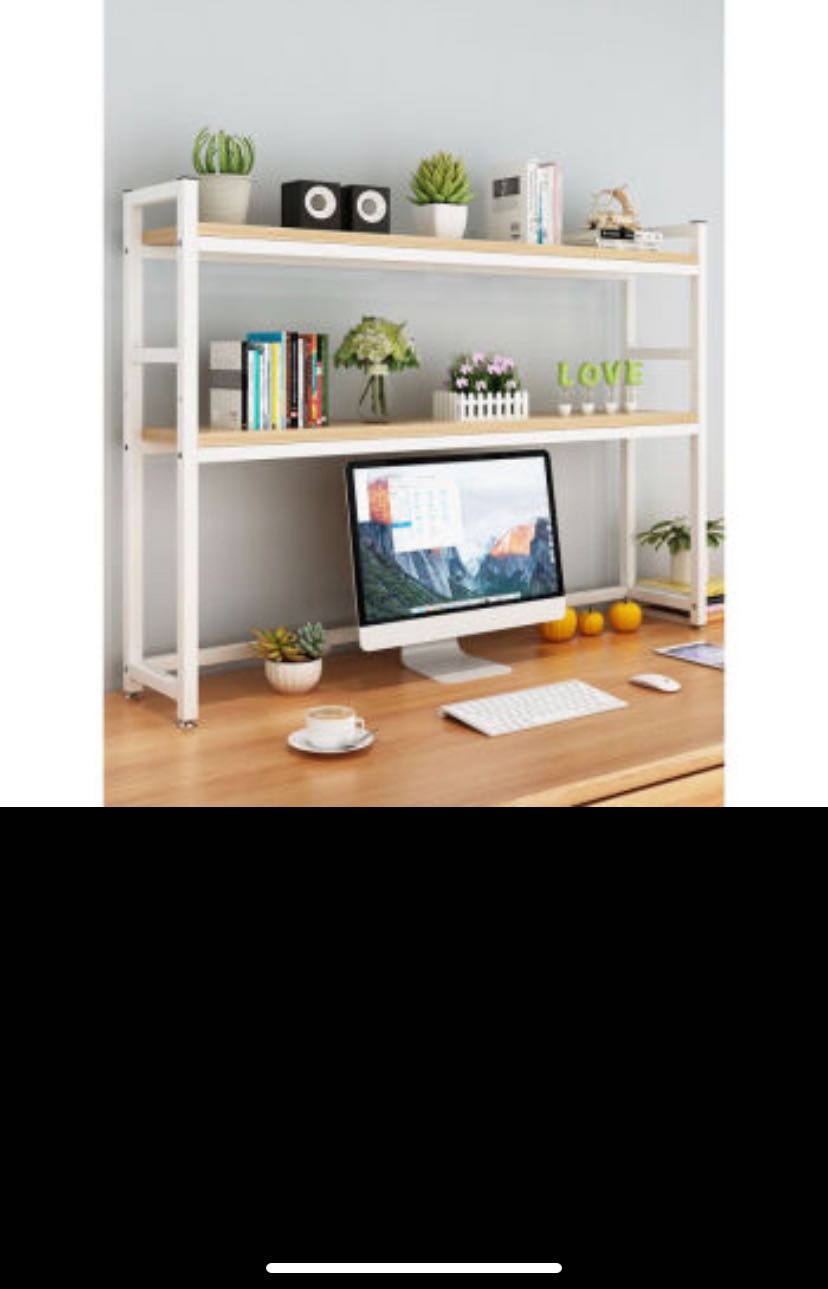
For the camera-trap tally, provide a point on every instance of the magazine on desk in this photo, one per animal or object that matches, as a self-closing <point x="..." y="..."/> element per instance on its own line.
<point x="699" y="651"/>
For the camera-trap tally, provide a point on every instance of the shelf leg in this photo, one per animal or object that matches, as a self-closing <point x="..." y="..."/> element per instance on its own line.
<point x="132" y="462"/>
<point x="187" y="531"/>
<point x="627" y="504"/>
<point x="626" y="516"/>
<point x="698" y="444"/>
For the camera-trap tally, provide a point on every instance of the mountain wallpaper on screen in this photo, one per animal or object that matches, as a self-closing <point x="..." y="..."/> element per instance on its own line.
<point x="517" y="561"/>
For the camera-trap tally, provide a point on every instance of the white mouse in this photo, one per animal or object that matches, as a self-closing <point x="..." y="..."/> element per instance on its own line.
<point x="652" y="680"/>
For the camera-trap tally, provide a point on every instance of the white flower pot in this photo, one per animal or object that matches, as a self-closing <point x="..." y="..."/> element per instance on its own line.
<point x="294" y="677"/>
<point x="441" y="220"/>
<point x="223" y="199"/>
<point x="447" y="405"/>
<point x="680" y="567"/>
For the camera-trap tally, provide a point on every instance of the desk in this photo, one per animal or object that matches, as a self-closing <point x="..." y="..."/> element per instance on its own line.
<point x="664" y="749"/>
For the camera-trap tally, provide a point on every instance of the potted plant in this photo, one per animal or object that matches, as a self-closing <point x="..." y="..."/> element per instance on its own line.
<point x="292" y="658"/>
<point x="440" y="192"/>
<point x="376" y="346"/>
<point x="482" y="387"/>
<point x="223" y="163"/>
<point x="675" y="535"/>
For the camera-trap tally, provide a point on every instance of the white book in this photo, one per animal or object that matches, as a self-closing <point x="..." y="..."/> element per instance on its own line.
<point x="511" y="203"/>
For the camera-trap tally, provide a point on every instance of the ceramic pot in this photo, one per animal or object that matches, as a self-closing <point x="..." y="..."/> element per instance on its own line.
<point x="442" y="219"/>
<point x="294" y="677"/>
<point x="680" y="567"/>
<point x="223" y="199"/>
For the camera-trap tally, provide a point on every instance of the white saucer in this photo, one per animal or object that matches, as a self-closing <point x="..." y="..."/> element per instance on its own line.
<point x="299" y="740"/>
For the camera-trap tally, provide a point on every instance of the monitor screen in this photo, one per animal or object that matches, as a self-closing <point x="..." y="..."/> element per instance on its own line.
<point x="449" y="534"/>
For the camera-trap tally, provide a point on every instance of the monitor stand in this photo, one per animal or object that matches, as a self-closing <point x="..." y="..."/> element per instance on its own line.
<point x="445" y="661"/>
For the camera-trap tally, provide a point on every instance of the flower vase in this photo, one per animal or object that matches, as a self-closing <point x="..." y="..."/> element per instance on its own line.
<point x="376" y="411"/>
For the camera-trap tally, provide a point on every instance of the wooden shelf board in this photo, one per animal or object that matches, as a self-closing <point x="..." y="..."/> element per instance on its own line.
<point x="352" y="431"/>
<point x="404" y="241"/>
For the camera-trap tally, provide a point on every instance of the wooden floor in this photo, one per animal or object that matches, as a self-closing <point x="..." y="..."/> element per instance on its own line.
<point x="238" y="756"/>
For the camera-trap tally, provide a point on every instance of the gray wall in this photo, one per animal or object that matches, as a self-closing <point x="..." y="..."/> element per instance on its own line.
<point x="360" y="91"/>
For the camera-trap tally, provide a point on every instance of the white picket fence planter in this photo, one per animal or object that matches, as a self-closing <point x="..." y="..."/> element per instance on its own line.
<point x="450" y="406"/>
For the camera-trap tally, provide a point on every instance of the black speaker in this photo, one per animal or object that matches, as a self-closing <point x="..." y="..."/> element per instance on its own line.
<point x="310" y="203"/>
<point x="366" y="208"/>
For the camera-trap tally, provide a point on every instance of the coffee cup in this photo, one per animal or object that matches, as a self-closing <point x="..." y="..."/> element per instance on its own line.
<point x="333" y="727"/>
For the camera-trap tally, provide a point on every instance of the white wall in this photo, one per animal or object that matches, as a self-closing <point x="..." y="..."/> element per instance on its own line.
<point x="359" y="91"/>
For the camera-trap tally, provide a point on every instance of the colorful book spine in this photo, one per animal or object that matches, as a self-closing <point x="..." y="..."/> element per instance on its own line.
<point x="323" y="357"/>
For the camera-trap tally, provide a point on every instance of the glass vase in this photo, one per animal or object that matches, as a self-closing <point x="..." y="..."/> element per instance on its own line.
<point x="373" y="403"/>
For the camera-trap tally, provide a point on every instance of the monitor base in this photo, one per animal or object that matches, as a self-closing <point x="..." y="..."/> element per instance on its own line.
<point x="445" y="661"/>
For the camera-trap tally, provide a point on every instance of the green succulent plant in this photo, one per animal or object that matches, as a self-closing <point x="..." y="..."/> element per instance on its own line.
<point x="311" y="637"/>
<point x="675" y="534"/>
<point x="440" y="179"/>
<point x="223" y="154"/>
<point x="282" y="644"/>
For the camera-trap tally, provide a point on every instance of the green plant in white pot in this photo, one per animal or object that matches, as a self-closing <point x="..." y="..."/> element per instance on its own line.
<point x="223" y="163"/>
<point x="441" y="195"/>
<point x="675" y="535"/>
<point x="292" y="658"/>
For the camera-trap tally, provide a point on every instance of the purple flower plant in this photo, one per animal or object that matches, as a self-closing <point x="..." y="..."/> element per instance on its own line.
<point x="484" y="373"/>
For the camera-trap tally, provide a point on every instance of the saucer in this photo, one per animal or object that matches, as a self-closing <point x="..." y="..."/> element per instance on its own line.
<point x="300" y="741"/>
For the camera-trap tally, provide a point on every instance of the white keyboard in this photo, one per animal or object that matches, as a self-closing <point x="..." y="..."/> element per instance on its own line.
<point x="526" y="709"/>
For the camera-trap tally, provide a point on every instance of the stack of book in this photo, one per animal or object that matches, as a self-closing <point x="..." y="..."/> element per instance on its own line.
<point x="272" y="380"/>
<point x="680" y="612"/>
<point x="526" y="204"/>
<point x="617" y="239"/>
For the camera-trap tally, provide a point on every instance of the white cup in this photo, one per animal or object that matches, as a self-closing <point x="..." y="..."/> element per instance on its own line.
<point x="333" y="726"/>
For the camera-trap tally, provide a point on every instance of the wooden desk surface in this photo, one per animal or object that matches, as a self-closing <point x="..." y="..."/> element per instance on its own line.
<point x="238" y="755"/>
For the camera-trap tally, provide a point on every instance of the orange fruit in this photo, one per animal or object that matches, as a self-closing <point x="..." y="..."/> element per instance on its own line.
<point x="562" y="628"/>
<point x="591" y="622"/>
<point x="625" y="615"/>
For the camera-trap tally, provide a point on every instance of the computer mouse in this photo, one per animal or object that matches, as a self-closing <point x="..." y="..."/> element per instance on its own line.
<point x="653" y="680"/>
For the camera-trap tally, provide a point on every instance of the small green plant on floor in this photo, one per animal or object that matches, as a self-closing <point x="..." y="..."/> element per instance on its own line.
<point x="223" y="154"/>
<point x="675" y="534"/>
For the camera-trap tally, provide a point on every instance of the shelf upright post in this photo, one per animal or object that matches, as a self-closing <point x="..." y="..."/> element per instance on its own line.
<point x="698" y="442"/>
<point x="187" y="530"/>
<point x="627" y="497"/>
<point x="132" y="426"/>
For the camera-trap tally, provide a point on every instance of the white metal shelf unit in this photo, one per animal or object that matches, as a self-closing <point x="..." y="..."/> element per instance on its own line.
<point x="176" y="674"/>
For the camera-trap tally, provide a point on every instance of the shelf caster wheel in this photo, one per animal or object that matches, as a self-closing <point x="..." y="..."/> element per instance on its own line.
<point x="133" y="694"/>
<point x="187" y="725"/>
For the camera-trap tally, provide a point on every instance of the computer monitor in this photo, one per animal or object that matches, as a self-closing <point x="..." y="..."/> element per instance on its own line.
<point x="449" y="546"/>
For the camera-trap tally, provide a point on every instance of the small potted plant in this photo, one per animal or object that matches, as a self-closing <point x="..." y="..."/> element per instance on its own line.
<point x="482" y="387"/>
<point x="675" y="535"/>
<point x="292" y="658"/>
<point x="223" y="163"/>
<point x="441" y="195"/>
<point x="376" y="346"/>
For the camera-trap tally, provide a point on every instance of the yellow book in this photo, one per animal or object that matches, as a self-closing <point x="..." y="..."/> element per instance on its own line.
<point x="715" y="585"/>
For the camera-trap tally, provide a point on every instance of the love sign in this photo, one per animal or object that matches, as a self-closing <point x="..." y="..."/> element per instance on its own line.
<point x="627" y="370"/>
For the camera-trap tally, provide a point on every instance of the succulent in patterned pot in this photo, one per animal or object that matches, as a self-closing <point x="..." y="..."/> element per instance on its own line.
<point x="376" y="346"/>
<point x="223" y="163"/>
<point x="292" y="656"/>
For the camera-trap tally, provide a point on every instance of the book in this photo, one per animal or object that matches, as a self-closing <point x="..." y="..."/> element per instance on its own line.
<point x="274" y="342"/>
<point x="526" y="203"/>
<point x="228" y="384"/>
<point x="681" y="612"/>
<point x="293" y="381"/>
<point x="642" y="239"/>
<point x="715" y="586"/>
<point x="324" y="418"/>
